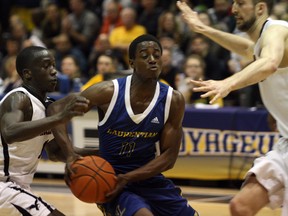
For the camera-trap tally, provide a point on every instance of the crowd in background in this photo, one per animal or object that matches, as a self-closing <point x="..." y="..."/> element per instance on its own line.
<point x="90" y="38"/>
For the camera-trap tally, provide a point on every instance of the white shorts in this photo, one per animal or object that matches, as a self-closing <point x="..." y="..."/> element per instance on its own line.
<point x="15" y="201"/>
<point x="271" y="172"/>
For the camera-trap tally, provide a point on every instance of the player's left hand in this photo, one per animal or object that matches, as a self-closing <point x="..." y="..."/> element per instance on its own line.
<point x="216" y="89"/>
<point x="121" y="182"/>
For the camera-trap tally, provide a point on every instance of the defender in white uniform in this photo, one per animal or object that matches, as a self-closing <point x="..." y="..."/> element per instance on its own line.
<point x="25" y="131"/>
<point x="267" y="181"/>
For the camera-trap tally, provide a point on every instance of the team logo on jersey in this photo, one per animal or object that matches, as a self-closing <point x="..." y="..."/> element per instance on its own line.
<point x="155" y="120"/>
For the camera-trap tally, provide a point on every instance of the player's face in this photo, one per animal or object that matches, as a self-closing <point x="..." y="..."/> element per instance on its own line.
<point x="44" y="74"/>
<point x="148" y="61"/>
<point x="244" y="12"/>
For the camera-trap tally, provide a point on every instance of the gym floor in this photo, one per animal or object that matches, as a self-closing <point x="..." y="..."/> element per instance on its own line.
<point x="208" y="201"/>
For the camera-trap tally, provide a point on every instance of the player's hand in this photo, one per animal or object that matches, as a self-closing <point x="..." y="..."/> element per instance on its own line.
<point x="190" y="16"/>
<point x="76" y="106"/>
<point x="68" y="167"/>
<point x="121" y="183"/>
<point x="215" y="89"/>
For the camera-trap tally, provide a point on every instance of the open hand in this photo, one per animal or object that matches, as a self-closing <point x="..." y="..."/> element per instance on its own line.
<point x="190" y="16"/>
<point x="213" y="88"/>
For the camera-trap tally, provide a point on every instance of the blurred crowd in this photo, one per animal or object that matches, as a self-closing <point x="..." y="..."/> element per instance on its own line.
<point x="89" y="39"/>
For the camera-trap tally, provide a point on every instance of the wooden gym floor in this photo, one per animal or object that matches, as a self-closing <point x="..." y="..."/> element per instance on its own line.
<point x="207" y="201"/>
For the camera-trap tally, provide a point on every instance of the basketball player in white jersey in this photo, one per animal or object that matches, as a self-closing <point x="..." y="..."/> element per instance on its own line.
<point x="26" y="131"/>
<point x="267" y="181"/>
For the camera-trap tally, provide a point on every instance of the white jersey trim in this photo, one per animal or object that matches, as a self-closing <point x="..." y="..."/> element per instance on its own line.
<point x="137" y="118"/>
<point x="168" y="103"/>
<point x="112" y="103"/>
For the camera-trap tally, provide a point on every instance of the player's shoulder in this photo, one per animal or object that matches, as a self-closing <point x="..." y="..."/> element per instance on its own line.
<point x="271" y="25"/>
<point x="178" y="98"/>
<point x="15" y="96"/>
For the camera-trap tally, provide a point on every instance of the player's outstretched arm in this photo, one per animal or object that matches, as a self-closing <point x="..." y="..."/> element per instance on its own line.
<point x="234" y="43"/>
<point x="271" y="57"/>
<point x="78" y="106"/>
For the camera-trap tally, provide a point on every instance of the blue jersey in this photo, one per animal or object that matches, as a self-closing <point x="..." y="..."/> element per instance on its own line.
<point x="128" y="140"/>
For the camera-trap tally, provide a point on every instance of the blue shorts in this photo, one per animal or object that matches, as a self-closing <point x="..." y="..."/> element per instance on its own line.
<point x="157" y="194"/>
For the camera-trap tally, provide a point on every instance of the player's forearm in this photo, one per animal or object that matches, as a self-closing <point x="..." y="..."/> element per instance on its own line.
<point x="61" y="136"/>
<point x="253" y="73"/>
<point x="154" y="167"/>
<point x="22" y="130"/>
<point x="232" y="42"/>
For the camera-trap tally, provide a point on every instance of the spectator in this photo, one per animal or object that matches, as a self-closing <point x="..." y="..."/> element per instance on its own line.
<point x="122" y="36"/>
<point x="194" y="68"/>
<point x="81" y="25"/>
<point x="169" y="74"/>
<point x="20" y="32"/>
<point x="102" y="45"/>
<point x="106" y="65"/>
<point x="70" y="67"/>
<point x="71" y="71"/>
<point x="167" y="41"/>
<point x="12" y="47"/>
<point x="149" y="16"/>
<point x="37" y="16"/>
<point x="222" y="16"/>
<point x="51" y="26"/>
<point x="111" y="17"/>
<point x="167" y="24"/>
<point x="280" y="11"/>
<point x="63" y="47"/>
<point x="215" y="68"/>
<point x="12" y="79"/>
<point x="215" y="48"/>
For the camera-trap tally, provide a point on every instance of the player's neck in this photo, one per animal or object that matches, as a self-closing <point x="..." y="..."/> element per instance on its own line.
<point x="256" y="30"/>
<point x="34" y="92"/>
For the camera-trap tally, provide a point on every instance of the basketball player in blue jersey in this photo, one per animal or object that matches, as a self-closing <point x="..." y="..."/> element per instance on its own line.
<point x="25" y="131"/>
<point x="140" y="131"/>
<point x="267" y="181"/>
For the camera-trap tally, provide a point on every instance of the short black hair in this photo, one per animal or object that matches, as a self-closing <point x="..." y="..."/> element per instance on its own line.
<point x="26" y="58"/>
<point x="140" y="39"/>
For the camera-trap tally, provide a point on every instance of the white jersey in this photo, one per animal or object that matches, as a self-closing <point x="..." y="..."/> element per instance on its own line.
<point x="274" y="89"/>
<point x="19" y="160"/>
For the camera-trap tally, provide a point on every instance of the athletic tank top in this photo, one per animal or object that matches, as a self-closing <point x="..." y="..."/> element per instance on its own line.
<point x="128" y="140"/>
<point x="274" y="89"/>
<point x="19" y="160"/>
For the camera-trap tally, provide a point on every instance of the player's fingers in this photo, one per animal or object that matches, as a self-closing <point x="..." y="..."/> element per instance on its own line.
<point x="82" y="99"/>
<point x="208" y="94"/>
<point x="197" y="82"/>
<point x="183" y="6"/>
<point x="201" y="89"/>
<point x="214" y="99"/>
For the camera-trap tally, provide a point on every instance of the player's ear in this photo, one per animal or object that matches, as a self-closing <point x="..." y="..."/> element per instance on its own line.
<point x="27" y="74"/>
<point x="131" y="63"/>
<point x="261" y="7"/>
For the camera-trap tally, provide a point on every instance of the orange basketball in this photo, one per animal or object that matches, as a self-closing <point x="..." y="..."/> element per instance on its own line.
<point x="92" y="179"/>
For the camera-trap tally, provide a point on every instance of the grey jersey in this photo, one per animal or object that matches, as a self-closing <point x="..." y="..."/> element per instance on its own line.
<point x="19" y="160"/>
<point x="274" y="89"/>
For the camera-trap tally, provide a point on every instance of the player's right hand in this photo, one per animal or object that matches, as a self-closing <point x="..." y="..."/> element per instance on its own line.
<point x="190" y="16"/>
<point x="121" y="183"/>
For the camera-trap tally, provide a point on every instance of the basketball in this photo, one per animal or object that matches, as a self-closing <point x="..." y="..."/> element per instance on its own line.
<point x="92" y="179"/>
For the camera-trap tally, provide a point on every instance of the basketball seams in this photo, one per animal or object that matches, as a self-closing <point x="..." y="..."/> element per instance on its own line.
<point x="92" y="179"/>
<point x="104" y="163"/>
